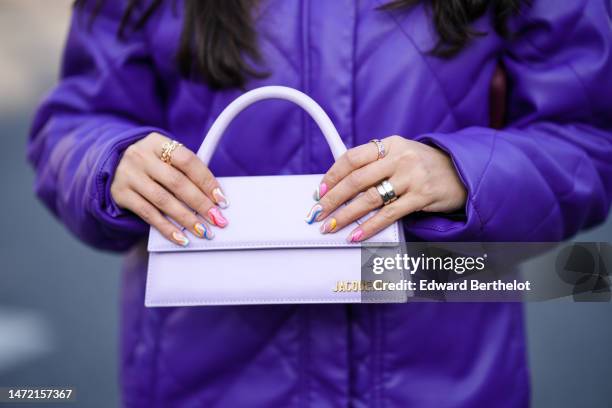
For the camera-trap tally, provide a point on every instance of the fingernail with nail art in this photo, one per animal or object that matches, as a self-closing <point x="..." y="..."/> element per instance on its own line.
<point x="180" y="238"/>
<point x="320" y="192"/>
<point x="314" y="213"/>
<point x="356" y="236"/>
<point x="220" y="198"/>
<point x="216" y="217"/>
<point x="328" y="226"/>
<point x="203" y="231"/>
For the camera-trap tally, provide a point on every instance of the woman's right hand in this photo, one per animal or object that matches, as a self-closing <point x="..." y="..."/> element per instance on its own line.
<point x="151" y="188"/>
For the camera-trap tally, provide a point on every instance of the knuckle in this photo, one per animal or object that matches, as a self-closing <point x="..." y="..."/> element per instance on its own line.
<point x="187" y="158"/>
<point x="329" y="202"/>
<point x="181" y="160"/>
<point x="353" y="181"/>
<point x="121" y="174"/>
<point x="333" y="203"/>
<point x="185" y="218"/>
<point x="117" y="192"/>
<point x="420" y="204"/>
<point x="161" y="199"/>
<point x="154" y="137"/>
<point x="194" y="199"/>
<point x="332" y="177"/>
<point x="132" y="152"/>
<point x="388" y="214"/>
<point x="153" y="141"/>
<point x="207" y="182"/>
<point x="145" y="213"/>
<point x="419" y="176"/>
<point x="409" y="156"/>
<point x="352" y="158"/>
<point x="372" y="197"/>
<point x="175" y="181"/>
<point x="426" y="189"/>
<point x="394" y="139"/>
<point x="133" y="179"/>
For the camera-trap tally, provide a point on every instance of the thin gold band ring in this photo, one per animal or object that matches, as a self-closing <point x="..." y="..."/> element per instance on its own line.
<point x="381" y="148"/>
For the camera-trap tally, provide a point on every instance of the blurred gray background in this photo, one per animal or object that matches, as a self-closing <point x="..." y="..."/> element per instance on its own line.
<point x="59" y="299"/>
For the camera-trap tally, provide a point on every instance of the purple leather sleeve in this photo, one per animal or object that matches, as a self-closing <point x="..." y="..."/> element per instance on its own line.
<point x="549" y="172"/>
<point x="105" y="96"/>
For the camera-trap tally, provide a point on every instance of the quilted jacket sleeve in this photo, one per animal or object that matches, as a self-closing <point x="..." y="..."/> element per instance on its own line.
<point x="105" y="100"/>
<point x="548" y="174"/>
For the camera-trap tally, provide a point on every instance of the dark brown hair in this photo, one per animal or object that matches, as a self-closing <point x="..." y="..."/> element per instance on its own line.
<point x="219" y="43"/>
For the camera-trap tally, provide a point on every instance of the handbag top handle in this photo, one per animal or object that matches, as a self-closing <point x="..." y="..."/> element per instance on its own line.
<point x="271" y="92"/>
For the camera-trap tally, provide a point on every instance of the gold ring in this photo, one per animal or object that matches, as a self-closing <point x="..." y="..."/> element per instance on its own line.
<point x="380" y="147"/>
<point x="167" y="149"/>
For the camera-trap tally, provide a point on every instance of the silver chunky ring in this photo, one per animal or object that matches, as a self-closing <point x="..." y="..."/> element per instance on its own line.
<point x="386" y="191"/>
<point x="381" y="148"/>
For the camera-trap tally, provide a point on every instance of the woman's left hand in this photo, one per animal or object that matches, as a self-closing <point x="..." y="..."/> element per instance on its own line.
<point x="423" y="178"/>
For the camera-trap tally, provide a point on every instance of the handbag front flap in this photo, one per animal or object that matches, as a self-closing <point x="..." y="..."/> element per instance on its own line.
<point x="268" y="212"/>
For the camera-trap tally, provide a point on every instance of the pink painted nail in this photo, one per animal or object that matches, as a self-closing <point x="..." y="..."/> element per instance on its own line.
<point x="328" y="226"/>
<point x="180" y="238"/>
<point x="356" y="236"/>
<point x="320" y="192"/>
<point x="216" y="217"/>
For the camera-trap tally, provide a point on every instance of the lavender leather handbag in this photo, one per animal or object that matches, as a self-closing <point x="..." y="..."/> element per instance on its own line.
<point x="252" y="261"/>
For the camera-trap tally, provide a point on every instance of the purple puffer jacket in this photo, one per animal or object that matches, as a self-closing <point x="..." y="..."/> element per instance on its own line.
<point x="543" y="177"/>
